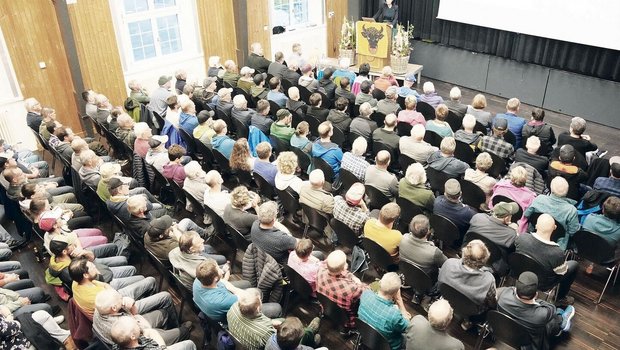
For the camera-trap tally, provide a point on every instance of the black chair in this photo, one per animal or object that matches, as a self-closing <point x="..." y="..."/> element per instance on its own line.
<point x="347" y="238"/>
<point x="265" y="189"/>
<point x="437" y="179"/>
<point x="379" y="257"/>
<point x="206" y="154"/>
<point x="290" y="203"/>
<point x="286" y="85"/>
<point x="463" y="306"/>
<point x="245" y="178"/>
<point x="297" y="118"/>
<point x="46" y="147"/>
<point x="378" y="94"/>
<point x="303" y="159"/>
<point x="510" y="138"/>
<point x="313" y="125"/>
<point x="405" y="161"/>
<point x="508" y="330"/>
<point x="356" y="111"/>
<point x="239" y="242"/>
<point x="219" y="226"/>
<point x="480" y="128"/>
<point x="239" y="91"/>
<point x="377" y="199"/>
<point x="298" y="285"/>
<point x="499" y="166"/>
<point x="337" y="315"/>
<point x="352" y="136"/>
<point x="328" y="172"/>
<point x="378" y="118"/>
<point x="159" y="184"/>
<point x="401" y="102"/>
<point x="219" y="114"/>
<point x="304" y="93"/>
<point x="198" y="207"/>
<point x="494" y="250"/>
<point x="516" y="216"/>
<point x="222" y="162"/>
<point x="317" y="220"/>
<point x="179" y="195"/>
<point x="415" y="277"/>
<point x="472" y="195"/>
<point x="444" y="230"/>
<point x="241" y="129"/>
<point x="454" y="121"/>
<point x="347" y="179"/>
<point x="190" y="142"/>
<point x="433" y="138"/>
<point x="394" y="165"/>
<point x="326" y="102"/>
<point x="160" y="122"/>
<point x="162" y="266"/>
<point x="598" y="250"/>
<point x="338" y="137"/>
<point x="427" y="110"/>
<point x="273" y="108"/>
<point x="408" y="211"/>
<point x="403" y="128"/>
<point x="369" y="337"/>
<point x="520" y="262"/>
<point x="464" y="152"/>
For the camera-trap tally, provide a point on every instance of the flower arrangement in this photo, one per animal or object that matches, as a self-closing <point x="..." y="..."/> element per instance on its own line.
<point x="347" y="35"/>
<point x="401" y="45"/>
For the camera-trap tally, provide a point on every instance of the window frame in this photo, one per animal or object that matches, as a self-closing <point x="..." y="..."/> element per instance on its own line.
<point x="8" y="72"/>
<point x="291" y="14"/>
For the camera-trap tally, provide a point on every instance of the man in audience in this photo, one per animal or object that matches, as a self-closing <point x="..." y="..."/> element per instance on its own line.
<point x="315" y="110"/>
<point x="378" y="176"/>
<point x="406" y="89"/>
<point x="163" y="235"/>
<point x="231" y="75"/>
<point x="90" y="171"/>
<point x="364" y="95"/>
<point x="444" y="160"/>
<point x="189" y="254"/>
<point x="338" y="116"/>
<point x="277" y="67"/>
<point x="307" y="78"/>
<point x="304" y="263"/>
<point x="387" y="135"/>
<point x="33" y="116"/>
<point x="576" y="137"/>
<point x="291" y="73"/>
<point x="90" y="107"/>
<point x="537" y="127"/>
<point x="291" y="334"/>
<point x="325" y="149"/>
<point x="430" y="96"/>
<point x="275" y="94"/>
<point x="142" y="214"/>
<point x="467" y="134"/>
<point x="515" y="123"/>
<point x="155" y="312"/>
<point x="415" y="147"/>
<point x="282" y="127"/>
<point x="222" y="142"/>
<point x="610" y="184"/>
<point x="540" y="318"/>
<point x="262" y="165"/>
<point x="103" y="109"/>
<point x="126" y="333"/>
<point x="269" y="238"/>
<point x="294" y="102"/>
<point x="157" y="156"/>
<point x="160" y="95"/>
<point x="125" y="129"/>
<point x="529" y="155"/>
<point x="343" y="70"/>
<point x="137" y="92"/>
<point x="187" y="118"/>
<point x="257" y="60"/>
<point x="499" y="229"/>
<point x="354" y="161"/>
<point x="469" y="276"/>
<point x="351" y="209"/>
<point x="556" y="269"/>
<point x="65" y="135"/>
<point x="56" y="194"/>
<point x="362" y="124"/>
<point x="450" y="206"/>
<point x="432" y="334"/>
<point x="344" y="91"/>
<point x="335" y="281"/>
<point x="258" y="90"/>
<point x="224" y="102"/>
<point x="567" y="168"/>
<point x="495" y="142"/>
<point x="313" y="195"/>
<point x="216" y="197"/>
<point x="389" y="105"/>
<point x="385" y="310"/>
<point x="204" y="131"/>
<point x="327" y="83"/>
<point x="119" y="194"/>
<point x="454" y="104"/>
<point x="561" y="208"/>
<point x="607" y="224"/>
<point x="381" y="230"/>
<point x="261" y="119"/>
<point x="174" y="170"/>
<point x="240" y="110"/>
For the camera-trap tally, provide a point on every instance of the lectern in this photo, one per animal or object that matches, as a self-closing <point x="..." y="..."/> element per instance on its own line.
<point x="374" y="42"/>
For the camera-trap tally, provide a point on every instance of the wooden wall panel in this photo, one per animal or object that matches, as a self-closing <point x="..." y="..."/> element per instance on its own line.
<point x="217" y="29"/>
<point x="259" y="29"/>
<point x="32" y="35"/>
<point x="340" y="9"/>
<point x="98" y="52"/>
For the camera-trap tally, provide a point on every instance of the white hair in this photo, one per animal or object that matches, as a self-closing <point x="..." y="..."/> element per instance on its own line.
<point x="455" y="93"/>
<point x="359" y="146"/>
<point x="239" y="101"/>
<point x="365" y="109"/>
<point x="293" y="92"/>
<point x="140" y="128"/>
<point x="415" y="174"/>
<point x="214" y="61"/>
<point x="391" y="92"/>
<point x="316" y="177"/>
<point x="106" y="299"/>
<point x="428" y="87"/>
<point x="559" y="186"/>
<point x="469" y="121"/>
<point x="533" y="142"/>
<point x="193" y="169"/>
<point x="30" y="102"/>
<point x="418" y="131"/>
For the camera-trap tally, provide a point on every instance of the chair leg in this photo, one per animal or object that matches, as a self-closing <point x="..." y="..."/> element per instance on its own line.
<point x="484" y="331"/>
<point x="181" y="310"/>
<point x="615" y="278"/>
<point x="606" y="283"/>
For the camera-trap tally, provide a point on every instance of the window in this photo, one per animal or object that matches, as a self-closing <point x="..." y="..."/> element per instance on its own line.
<point x="150" y="31"/>
<point x="296" y="13"/>
<point x="9" y="90"/>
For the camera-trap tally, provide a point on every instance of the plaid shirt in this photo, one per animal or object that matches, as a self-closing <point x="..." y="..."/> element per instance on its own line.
<point x="341" y="289"/>
<point x="497" y="146"/>
<point x="355" y="164"/>
<point x="384" y="316"/>
<point x="354" y="217"/>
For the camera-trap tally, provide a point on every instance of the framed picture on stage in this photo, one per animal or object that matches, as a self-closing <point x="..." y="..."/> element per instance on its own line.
<point x="373" y="39"/>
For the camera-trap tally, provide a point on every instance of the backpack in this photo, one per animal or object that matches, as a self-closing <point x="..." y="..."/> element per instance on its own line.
<point x="358" y="260"/>
<point x="591" y="203"/>
<point x="225" y="341"/>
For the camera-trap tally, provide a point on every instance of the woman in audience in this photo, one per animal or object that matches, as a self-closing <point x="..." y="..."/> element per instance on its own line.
<point x="302" y="261"/>
<point x="236" y="212"/>
<point x="516" y="190"/>
<point x="362" y="76"/>
<point x="478" y="104"/>
<point x="480" y="177"/>
<point x="173" y="112"/>
<point x="300" y="138"/>
<point x="430" y="96"/>
<point x="174" y="169"/>
<point x="195" y="180"/>
<point x="412" y="187"/>
<point x="143" y="135"/>
<point x="354" y="161"/>
<point x="467" y="134"/>
<point x="287" y="166"/>
<point x="410" y="115"/>
<point x="386" y="79"/>
<point x="240" y="158"/>
<point x="439" y="124"/>
<point x="537" y="127"/>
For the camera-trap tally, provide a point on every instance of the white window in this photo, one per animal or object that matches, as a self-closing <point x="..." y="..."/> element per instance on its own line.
<point x="296" y="13"/>
<point x="9" y="89"/>
<point x="152" y="32"/>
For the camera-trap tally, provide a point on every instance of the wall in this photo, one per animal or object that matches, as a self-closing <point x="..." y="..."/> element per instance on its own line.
<point x="552" y="89"/>
<point x="335" y="11"/>
<point x="217" y="28"/>
<point x="258" y="25"/>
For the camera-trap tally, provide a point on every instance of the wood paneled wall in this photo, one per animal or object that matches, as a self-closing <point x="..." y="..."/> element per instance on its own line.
<point x="32" y="35"/>
<point x="217" y="29"/>
<point x="259" y="29"/>
<point x="340" y="9"/>
<point x="98" y="52"/>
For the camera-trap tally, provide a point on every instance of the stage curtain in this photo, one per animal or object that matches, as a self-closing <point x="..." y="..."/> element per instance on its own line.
<point x="583" y="59"/>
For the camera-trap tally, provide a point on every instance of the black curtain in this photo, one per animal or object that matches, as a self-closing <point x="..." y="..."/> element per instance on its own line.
<point x="583" y="59"/>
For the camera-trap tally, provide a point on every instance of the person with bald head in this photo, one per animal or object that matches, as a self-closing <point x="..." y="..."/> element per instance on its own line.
<point x="313" y="195"/>
<point x="335" y="281"/>
<point x="432" y="334"/>
<point x="562" y="209"/>
<point x="387" y="135"/>
<point x="530" y="155"/>
<point x="380" y="178"/>
<point x="550" y="256"/>
<point x="127" y="334"/>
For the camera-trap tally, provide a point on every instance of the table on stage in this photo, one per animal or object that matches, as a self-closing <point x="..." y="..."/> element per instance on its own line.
<point x="411" y="69"/>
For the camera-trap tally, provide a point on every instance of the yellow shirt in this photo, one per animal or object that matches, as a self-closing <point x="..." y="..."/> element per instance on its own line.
<point x="385" y="237"/>
<point x="84" y="295"/>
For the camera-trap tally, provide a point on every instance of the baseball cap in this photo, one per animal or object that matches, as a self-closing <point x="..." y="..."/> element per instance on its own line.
<point x="114" y="183"/>
<point x="164" y="79"/>
<point x="159" y="226"/>
<point x="246" y="70"/>
<point x="500" y="124"/>
<point x="48" y="219"/>
<point x="527" y="284"/>
<point x="410" y="77"/>
<point x="224" y="91"/>
<point x="355" y="194"/>
<point x="452" y="187"/>
<point x="503" y="209"/>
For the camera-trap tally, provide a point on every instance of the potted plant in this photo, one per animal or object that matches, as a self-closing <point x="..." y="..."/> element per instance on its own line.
<point x="347" y="40"/>
<point x="401" y="48"/>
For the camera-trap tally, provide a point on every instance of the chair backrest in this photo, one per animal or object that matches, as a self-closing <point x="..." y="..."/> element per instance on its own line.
<point x="222" y="161"/>
<point x="444" y="229"/>
<point x="377" y="199"/>
<point x="239" y="91"/>
<point x="510" y="138"/>
<point x="289" y="199"/>
<point x="335" y="313"/>
<point x="403" y="128"/>
<point x="338" y="137"/>
<point x="179" y="194"/>
<point x="273" y="108"/>
<point x="198" y="207"/>
<point x="415" y="277"/>
<point x="208" y="159"/>
<point x="189" y="140"/>
<point x="369" y="337"/>
<point x="160" y="121"/>
<point x="454" y="121"/>
<point x="286" y="85"/>
<point x="352" y="136"/>
<point x="245" y="178"/>
<point x="241" y="243"/>
<point x="319" y="163"/>
<point x="405" y="161"/>
<point x="347" y="179"/>
<point x="326" y="102"/>
<point x="427" y="110"/>
<point x="508" y="330"/>
<point x="220" y="114"/>
<point x="241" y="129"/>
<point x="378" y="94"/>
<point x="462" y="305"/>
<point x="356" y="111"/>
<point x="437" y="179"/>
<point x="433" y="138"/>
<point x="346" y="236"/>
<point x="264" y="187"/>
<point x="316" y="219"/>
<point x="378" y="255"/>
<point x="520" y="262"/>
<point x="516" y="216"/>
<point x="401" y="102"/>
<point x="378" y="118"/>
<point x="313" y="125"/>
<point x="219" y="225"/>
<point x="498" y="167"/>
<point x="297" y="118"/>
<point x="593" y="247"/>
<point x="298" y="283"/>
<point x="472" y="195"/>
<point x="407" y="211"/>
<point x="304" y="93"/>
<point x="464" y="152"/>
<point x="480" y="128"/>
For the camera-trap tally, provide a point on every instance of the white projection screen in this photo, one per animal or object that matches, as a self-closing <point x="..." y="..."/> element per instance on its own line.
<point x="591" y="22"/>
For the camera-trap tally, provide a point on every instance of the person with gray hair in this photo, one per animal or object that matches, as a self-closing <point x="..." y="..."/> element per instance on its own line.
<point x="467" y="134"/>
<point x="293" y="103"/>
<point x="385" y="310"/>
<point x="307" y="79"/>
<point x="410" y="115"/>
<point x="291" y="73"/>
<point x="450" y="206"/>
<point x="126" y="333"/>
<point x="389" y="105"/>
<point x="137" y="93"/>
<point x="576" y="137"/>
<point x="33" y="116"/>
<point x="267" y="237"/>
<point x="430" y="96"/>
<point x="240" y="110"/>
<point x="277" y="67"/>
<point x="313" y="195"/>
<point x="412" y="187"/>
<point x="160" y="95"/>
<point x="354" y="161"/>
<point x="480" y="176"/>
<point x="529" y="155"/>
<point x="415" y="147"/>
<point x="343" y="70"/>
<point x="362" y="124"/>
<point x="454" y="104"/>
<point x="257" y="60"/>
<point x="432" y="334"/>
<point x="444" y="160"/>
<point x="380" y="178"/>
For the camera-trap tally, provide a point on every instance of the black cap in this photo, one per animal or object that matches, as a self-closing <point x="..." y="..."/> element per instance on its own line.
<point x="159" y="226"/>
<point x="527" y="285"/>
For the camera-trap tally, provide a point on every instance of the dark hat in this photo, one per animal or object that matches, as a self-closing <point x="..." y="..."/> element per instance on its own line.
<point x="114" y="183"/>
<point x="500" y="124"/>
<point x="159" y="226"/>
<point x="503" y="209"/>
<point x="164" y="79"/>
<point x="527" y="285"/>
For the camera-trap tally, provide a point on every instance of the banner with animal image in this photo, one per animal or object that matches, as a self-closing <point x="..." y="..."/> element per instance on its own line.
<point x="373" y="39"/>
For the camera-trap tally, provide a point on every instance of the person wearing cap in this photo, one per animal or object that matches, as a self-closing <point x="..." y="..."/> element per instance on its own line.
<point x="281" y="128"/>
<point x="450" y="206"/>
<point x="499" y="229"/>
<point x="444" y="160"/>
<point x="364" y="94"/>
<point x="206" y="96"/>
<point x="327" y="84"/>
<point x="187" y="118"/>
<point x="515" y="123"/>
<point x="409" y="115"/>
<point x="495" y="142"/>
<point x="157" y="155"/>
<point x="566" y="166"/>
<point x="338" y="116"/>
<point x="610" y="184"/>
<point x="294" y="103"/>
<point x="231" y="75"/>
<point x="307" y="78"/>
<point x="382" y="232"/>
<point x="412" y="187"/>
<point x="351" y="209"/>
<point x="189" y="254"/>
<point x="224" y="103"/>
<point x="344" y="90"/>
<point x="354" y="161"/>
<point x="257" y="60"/>
<point x="388" y="105"/>
<point x="325" y="149"/>
<point x="240" y="110"/>
<point x="258" y="90"/>
<point x="119" y="193"/>
<point x="540" y="318"/>
<point x="246" y="80"/>
<point x="163" y="234"/>
<point x="160" y="95"/>
<point x="432" y="334"/>
<point x="106" y="172"/>
<point x="407" y="88"/>
<point x="275" y="94"/>
<point x="379" y="177"/>
<point x="387" y="134"/>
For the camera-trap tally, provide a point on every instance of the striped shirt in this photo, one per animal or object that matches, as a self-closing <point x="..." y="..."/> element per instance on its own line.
<point x="252" y="333"/>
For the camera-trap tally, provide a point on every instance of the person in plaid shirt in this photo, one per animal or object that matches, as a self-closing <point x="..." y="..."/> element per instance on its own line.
<point x="495" y="143"/>
<point x="336" y="282"/>
<point x="351" y="209"/>
<point x="354" y="161"/>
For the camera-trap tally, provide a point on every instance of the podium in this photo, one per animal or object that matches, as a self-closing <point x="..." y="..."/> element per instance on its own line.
<point x="373" y="43"/>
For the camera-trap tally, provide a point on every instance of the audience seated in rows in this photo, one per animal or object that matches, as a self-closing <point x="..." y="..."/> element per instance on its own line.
<point x="387" y="135"/>
<point x="351" y="209"/>
<point x="380" y="178"/>
<point x="354" y="161"/>
<point x="362" y="124"/>
<point x="410" y="115"/>
<point x="382" y="232"/>
<point x="444" y="160"/>
<point x="325" y="149"/>
<point x="415" y="147"/>
<point x="412" y="187"/>
<point x="450" y="206"/>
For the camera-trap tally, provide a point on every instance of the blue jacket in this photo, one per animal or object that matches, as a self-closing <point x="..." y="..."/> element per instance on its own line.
<point x="188" y="122"/>
<point x="515" y="125"/>
<point x="329" y="152"/>
<point x="223" y="144"/>
<point x="255" y="137"/>
<point x="173" y="135"/>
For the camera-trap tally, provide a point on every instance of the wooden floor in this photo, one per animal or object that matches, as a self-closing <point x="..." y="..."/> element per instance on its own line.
<point x="594" y="326"/>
